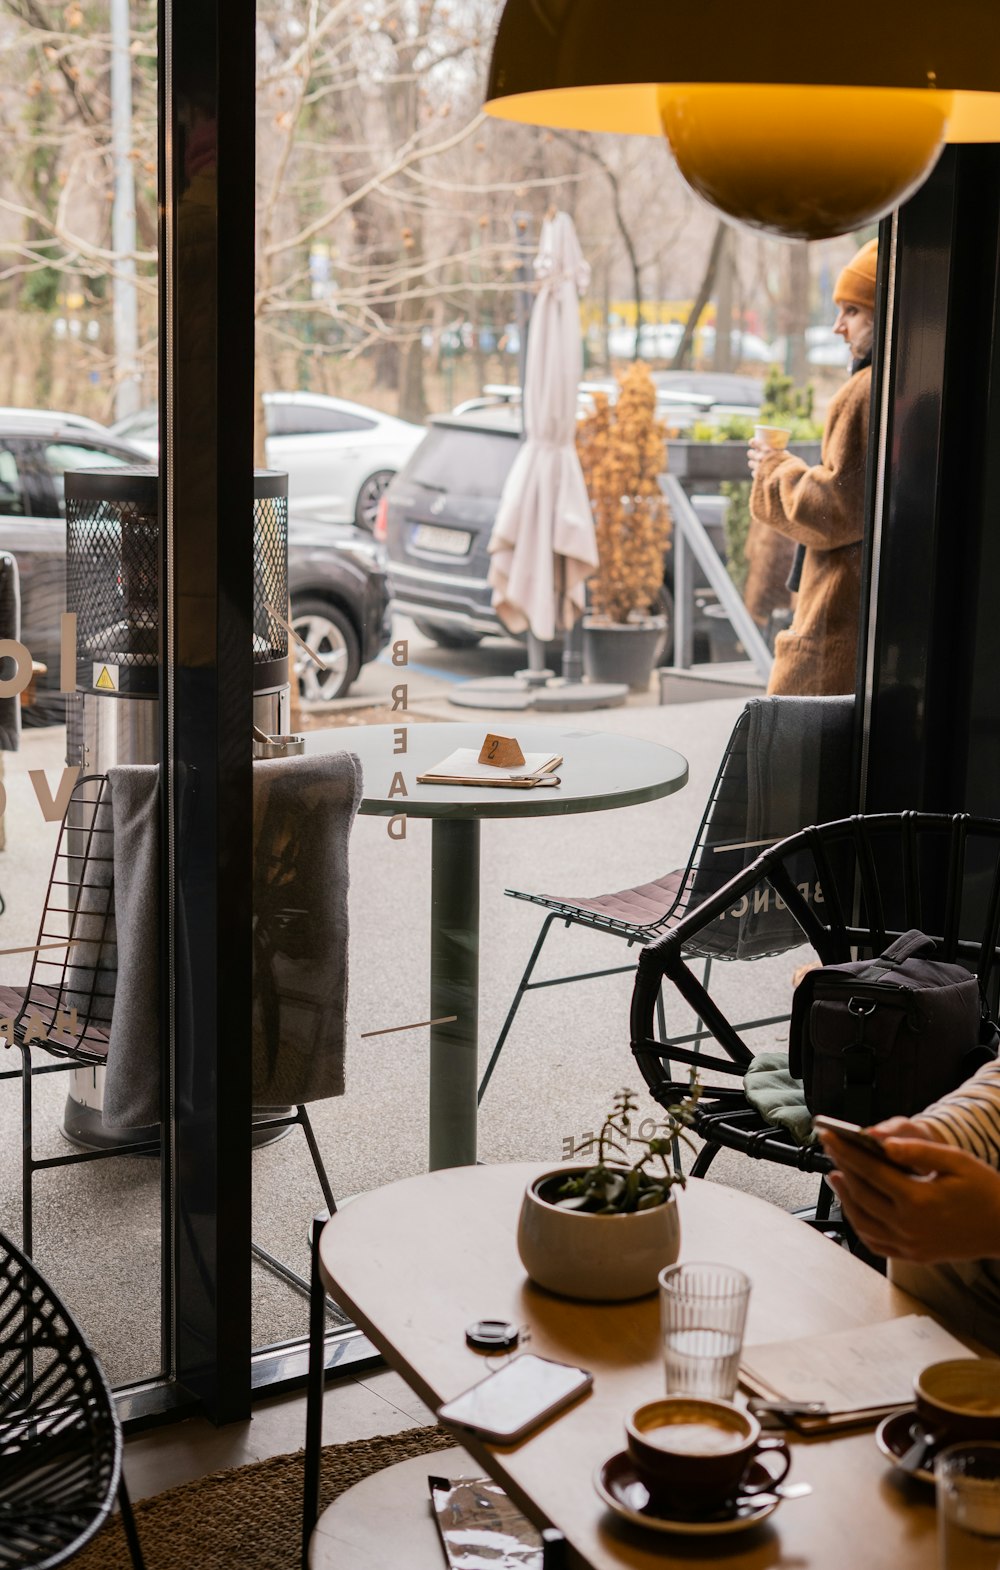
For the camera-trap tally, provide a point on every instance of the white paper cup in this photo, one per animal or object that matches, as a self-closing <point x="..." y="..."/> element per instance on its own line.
<point x="776" y="436"/>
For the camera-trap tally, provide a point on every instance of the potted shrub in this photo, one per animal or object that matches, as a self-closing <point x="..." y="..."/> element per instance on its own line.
<point x="605" y="1231"/>
<point x="622" y="449"/>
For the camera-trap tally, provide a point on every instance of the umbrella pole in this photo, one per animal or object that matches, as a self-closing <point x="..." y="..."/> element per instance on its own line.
<point x="537" y="673"/>
<point x="572" y="659"/>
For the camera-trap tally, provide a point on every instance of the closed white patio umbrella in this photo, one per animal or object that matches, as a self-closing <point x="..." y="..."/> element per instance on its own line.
<point x="543" y="546"/>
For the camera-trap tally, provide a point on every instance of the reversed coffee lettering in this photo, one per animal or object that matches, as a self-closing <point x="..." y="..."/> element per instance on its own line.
<point x="34" y="1028"/>
<point x="398" y="786"/>
<point x="399" y="736"/>
<point x="67" y="651"/>
<point x="400" y="696"/>
<point x="397" y="826"/>
<point x="10" y="649"/>
<point x="401" y="651"/>
<point x="53" y="807"/>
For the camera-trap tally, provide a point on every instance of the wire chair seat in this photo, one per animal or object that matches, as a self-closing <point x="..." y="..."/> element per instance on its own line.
<point x="786" y="761"/>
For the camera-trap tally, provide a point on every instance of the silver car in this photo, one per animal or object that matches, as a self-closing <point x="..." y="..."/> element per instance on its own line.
<point x="339" y="456"/>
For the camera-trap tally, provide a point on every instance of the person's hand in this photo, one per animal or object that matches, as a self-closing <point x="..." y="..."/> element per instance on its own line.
<point x="906" y="1128"/>
<point x="755" y="451"/>
<point x="945" y="1206"/>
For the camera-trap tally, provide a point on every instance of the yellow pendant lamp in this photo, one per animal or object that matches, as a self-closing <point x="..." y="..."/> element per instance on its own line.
<point x="803" y="122"/>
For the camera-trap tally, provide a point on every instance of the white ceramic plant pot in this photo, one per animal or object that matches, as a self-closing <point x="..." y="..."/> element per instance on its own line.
<point x="599" y="1258"/>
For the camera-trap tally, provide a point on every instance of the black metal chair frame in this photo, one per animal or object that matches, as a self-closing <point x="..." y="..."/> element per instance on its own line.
<point x="66" y="1007"/>
<point x="861" y="919"/>
<point x="60" y="1439"/>
<point x="681" y="890"/>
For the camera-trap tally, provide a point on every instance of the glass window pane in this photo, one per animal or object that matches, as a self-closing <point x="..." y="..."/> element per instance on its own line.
<point x="60" y="456"/>
<point x="464" y="461"/>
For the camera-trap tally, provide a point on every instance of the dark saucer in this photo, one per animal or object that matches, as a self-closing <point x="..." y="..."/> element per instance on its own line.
<point x="894" y="1436"/>
<point x="623" y="1491"/>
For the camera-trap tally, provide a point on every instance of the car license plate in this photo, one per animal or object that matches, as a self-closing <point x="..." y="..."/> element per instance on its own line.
<point x="447" y="542"/>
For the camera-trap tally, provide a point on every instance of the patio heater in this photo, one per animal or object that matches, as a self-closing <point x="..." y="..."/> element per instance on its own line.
<point x="113" y="587"/>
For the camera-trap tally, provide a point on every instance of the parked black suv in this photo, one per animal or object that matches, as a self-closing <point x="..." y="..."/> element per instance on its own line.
<point x="437" y="516"/>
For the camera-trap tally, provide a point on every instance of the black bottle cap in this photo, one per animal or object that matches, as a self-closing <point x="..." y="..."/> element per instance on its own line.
<point x="492" y="1335"/>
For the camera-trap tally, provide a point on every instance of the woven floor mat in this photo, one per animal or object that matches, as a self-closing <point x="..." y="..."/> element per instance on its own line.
<point x="249" y="1517"/>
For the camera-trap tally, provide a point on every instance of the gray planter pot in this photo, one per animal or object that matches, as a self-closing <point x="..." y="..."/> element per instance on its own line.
<point x="622" y="651"/>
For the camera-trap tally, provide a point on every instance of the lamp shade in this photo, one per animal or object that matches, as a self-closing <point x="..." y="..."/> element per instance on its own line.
<point x="787" y="119"/>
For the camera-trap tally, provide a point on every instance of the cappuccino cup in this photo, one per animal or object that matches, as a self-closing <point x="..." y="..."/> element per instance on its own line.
<point x="960" y="1398"/>
<point x="696" y="1453"/>
<point x="775" y="436"/>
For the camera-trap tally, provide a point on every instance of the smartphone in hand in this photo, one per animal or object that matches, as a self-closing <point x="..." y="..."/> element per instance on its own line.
<point x="859" y="1138"/>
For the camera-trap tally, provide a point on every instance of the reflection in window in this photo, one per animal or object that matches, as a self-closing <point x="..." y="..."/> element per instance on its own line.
<point x="60" y="456"/>
<point x="11" y="486"/>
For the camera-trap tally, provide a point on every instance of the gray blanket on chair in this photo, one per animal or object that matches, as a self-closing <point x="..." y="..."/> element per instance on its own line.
<point x="304" y="808"/>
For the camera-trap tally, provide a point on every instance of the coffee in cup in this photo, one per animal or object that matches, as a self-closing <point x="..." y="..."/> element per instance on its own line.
<point x="695" y="1452"/>
<point x="774" y="436"/>
<point x="960" y="1398"/>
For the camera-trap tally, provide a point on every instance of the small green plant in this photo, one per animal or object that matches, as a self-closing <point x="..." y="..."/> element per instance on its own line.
<point x="734" y="428"/>
<point x="610" y="1190"/>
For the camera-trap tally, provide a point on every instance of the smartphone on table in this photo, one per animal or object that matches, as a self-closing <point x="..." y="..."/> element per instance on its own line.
<point x="505" y="1406"/>
<point x="853" y="1134"/>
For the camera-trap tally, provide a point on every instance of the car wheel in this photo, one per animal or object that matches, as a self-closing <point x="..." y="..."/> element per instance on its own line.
<point x="447" y="637"/>
<point x="369" y="496"/>
<point x="329" y="633"/>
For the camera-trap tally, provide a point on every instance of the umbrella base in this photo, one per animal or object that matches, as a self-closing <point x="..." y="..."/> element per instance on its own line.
<point x="510" y="693"/>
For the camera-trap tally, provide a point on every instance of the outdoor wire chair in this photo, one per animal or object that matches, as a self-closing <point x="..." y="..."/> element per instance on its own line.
<point x="60" y="1440"/>
<point x="851" y="887"/>
<point x="786" y="764"/>
<point x="66" y="1009"/>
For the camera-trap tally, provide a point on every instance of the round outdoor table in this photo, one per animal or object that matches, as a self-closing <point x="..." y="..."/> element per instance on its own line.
<point x="599" y="771"/>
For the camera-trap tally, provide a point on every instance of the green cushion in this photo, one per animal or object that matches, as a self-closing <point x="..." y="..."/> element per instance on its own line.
<point x="780" y="1099"/>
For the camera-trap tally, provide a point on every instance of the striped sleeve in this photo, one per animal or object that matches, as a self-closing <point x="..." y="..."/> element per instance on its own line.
<point x="970" y="1116"/>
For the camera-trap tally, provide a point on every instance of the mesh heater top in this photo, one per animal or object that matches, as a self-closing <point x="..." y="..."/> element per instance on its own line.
<point x="113" y="577"/>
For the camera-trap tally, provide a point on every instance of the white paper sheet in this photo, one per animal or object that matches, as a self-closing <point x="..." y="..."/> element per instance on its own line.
<point x="854" y="1370"/>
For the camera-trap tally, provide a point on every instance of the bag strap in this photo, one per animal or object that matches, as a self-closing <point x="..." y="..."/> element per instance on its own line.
<point x="907" y="945"/>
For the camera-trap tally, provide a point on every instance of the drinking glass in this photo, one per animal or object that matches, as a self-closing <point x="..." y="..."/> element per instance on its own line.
<point x="703" y="1310"/>
<point x="968" y="1499"/>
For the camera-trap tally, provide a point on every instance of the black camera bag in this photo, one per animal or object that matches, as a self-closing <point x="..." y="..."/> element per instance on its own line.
<point x="873" y="1039"/>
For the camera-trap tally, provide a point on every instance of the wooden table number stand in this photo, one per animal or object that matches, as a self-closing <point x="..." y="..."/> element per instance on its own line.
<point x="503" y="752"/>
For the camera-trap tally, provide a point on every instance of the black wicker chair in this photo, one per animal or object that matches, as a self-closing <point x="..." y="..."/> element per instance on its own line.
<point x="60" y="1441"/>
<point x="786" y="764"/>
<point x="850" y="886"/>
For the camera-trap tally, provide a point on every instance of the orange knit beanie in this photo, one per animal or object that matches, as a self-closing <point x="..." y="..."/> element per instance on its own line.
<point x="856" y="284"/>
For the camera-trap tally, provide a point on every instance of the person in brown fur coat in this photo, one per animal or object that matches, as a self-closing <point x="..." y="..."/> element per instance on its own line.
<point x="821" y="509"/>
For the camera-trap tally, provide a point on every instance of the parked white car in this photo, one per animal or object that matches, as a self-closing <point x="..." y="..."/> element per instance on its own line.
<point x="339" y="456"/>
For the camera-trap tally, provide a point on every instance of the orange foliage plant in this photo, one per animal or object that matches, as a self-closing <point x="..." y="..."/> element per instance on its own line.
<point x="623" y="452"/>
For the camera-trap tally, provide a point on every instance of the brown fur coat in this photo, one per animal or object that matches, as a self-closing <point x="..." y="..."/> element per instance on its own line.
<point x="823" y="509"/>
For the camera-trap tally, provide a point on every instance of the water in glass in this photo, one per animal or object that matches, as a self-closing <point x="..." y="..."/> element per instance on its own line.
<point x="702" y="1362"/>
